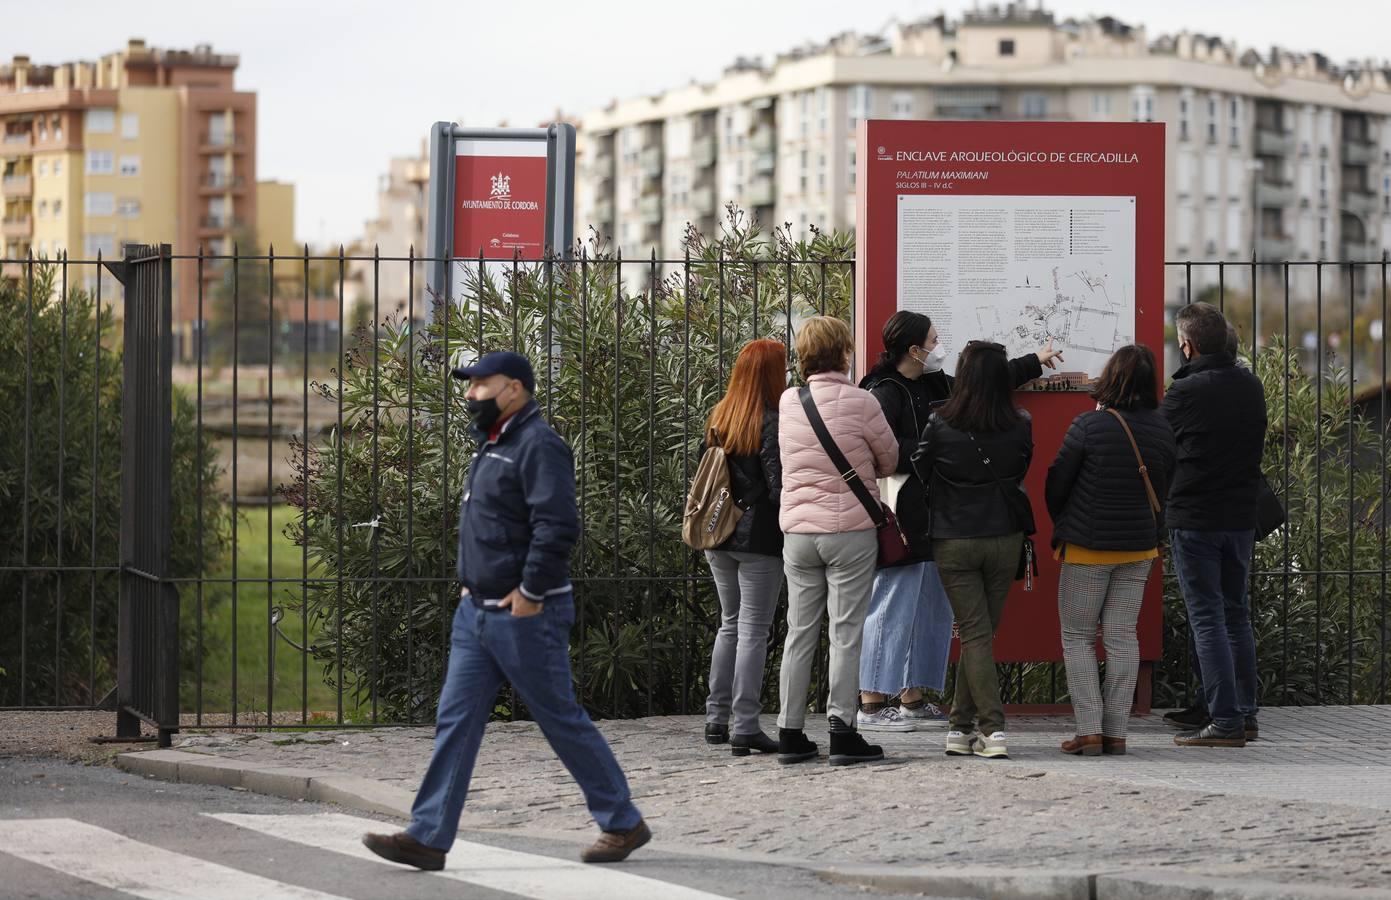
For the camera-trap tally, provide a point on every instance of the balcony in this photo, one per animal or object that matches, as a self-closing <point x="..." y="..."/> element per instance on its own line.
<point x="703" y="200"/>
<point x="1358" y="200"/>
<point x="212" y="182"/>
<point x="1275" y="193"/>
<point x="763" y="139"/>
<point x="220" y="223"/>
<point x="17" y="186"/>
<point x="1358" y="251"/>
<point x="651" y="162"/>
<point x="761" y="192"/>
<point x="650" y="209"/>
<point x="1275" y="247"/>
<point x="16" y="226"/>
<point x="764" y="163"/>
<point x="603" y="210"/>
<point x="17" y="144"/>
<point x="1359" y="152"/>
<point x="602" y="163"/>
<point x="1274" y="143"/>
<point x="220" y="142"/>
<point x="703" y="151"/>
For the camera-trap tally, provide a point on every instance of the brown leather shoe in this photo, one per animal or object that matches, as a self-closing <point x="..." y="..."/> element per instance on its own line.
<point x="404" y="849"/>
<point x="614" y="846"/>
<point x="1083" y="745"/>
<point x="1113" y="746"/>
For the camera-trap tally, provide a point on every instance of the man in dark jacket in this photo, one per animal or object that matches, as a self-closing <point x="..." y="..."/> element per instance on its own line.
<point x="1217" y="411"/>
<point x="517" y="525"/>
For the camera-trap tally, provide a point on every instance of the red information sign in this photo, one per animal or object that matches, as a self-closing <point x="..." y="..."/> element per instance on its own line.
<point x="500" y="198"/>
<point x="1019" y="232"/>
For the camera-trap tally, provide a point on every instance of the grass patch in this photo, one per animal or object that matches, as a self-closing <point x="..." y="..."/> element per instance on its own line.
<point x="235" y="673"/>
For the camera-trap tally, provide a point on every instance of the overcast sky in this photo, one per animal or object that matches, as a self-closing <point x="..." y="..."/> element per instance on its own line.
<point x="344" y="86"/>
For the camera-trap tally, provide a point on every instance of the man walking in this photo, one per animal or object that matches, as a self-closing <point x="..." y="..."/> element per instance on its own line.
<point x="1217" y="411"/>
<point x="517" y="525"/>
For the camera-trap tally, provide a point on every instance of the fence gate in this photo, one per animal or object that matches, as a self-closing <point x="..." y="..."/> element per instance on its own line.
<point x="147" y="651"/>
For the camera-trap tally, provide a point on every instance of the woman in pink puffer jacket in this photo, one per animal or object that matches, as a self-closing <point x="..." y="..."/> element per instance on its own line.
<point x="830" y="545"/>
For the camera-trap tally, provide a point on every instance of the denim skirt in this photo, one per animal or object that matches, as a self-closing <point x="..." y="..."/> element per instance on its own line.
<point x="907" y="637"/>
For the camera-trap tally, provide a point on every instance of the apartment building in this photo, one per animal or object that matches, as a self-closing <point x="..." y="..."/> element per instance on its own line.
<point x="145" y="145"/>
<point x="1281" y="154"/>
<point x="402" y="202"/>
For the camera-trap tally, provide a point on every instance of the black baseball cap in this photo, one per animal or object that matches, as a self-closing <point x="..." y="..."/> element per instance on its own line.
<point x="501" y="362"/>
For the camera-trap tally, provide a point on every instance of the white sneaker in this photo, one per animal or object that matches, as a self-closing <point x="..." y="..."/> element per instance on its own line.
<point x="928" y="712"/>
<point x="886" y="719"/>
<point x="959" y="743"/>
<point x="992" y="747"/>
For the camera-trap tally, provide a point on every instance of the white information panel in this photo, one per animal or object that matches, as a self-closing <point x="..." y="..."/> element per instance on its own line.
<point x="1021" y="270"/>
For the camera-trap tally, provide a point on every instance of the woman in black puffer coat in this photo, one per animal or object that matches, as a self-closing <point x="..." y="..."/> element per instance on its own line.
<point x="907" y="635"/>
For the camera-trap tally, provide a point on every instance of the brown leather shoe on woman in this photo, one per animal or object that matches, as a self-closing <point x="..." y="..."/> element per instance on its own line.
<point x="1083" y="745"/>
<point x="1113" y="746"/>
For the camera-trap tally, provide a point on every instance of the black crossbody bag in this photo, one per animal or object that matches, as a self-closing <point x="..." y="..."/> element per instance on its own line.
<point x="1027" y="570"/>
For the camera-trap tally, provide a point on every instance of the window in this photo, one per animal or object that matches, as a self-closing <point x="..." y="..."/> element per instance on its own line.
<point x="851" y="167"/>
<point x="1033" y="106"/>
<point x="57" y="167"/>
<point x="1212" y="120"/>
<point x="57" y="208"/>
<point x="901" y="106"/>
<point x="1007" y="47"/>
<point x="1234" y="229"/>
<point x="128" y="208"/>
<point x="43" y="167"/>
<point x="130" y="165"/>
<point x="130" y="126"/>
<point x="1184" y="114"/>
<point x="43" y="209"/>
<point x="861" y="103"/>
<point x="105" y="244"/>
<point x="1142" y="103"/>
<point x="101" y="121"/>
<point x="1101" y="106"/>
<point x="1234" y="121"/>
<point x="100" y="162"/>
<point x="100" y="203"/>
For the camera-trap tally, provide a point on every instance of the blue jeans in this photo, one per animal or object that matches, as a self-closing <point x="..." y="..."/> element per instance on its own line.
<point x="1212" y="570"/>
<point x="533" y="653"/>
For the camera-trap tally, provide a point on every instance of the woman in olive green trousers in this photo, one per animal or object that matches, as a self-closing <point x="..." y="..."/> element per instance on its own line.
<point x="973" y="457"/>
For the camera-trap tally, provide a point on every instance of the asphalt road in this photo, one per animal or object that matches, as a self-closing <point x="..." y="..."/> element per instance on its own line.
<point x="73" y="831"/>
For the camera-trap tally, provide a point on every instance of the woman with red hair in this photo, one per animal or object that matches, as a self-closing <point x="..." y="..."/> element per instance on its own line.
<point x="748" y="566"/>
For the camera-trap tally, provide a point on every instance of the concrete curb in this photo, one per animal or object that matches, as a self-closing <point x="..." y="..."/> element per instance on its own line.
<point x="369" y="795"/>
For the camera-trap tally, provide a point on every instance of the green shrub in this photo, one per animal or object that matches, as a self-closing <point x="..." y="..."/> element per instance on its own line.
<point x="66" y="622"/>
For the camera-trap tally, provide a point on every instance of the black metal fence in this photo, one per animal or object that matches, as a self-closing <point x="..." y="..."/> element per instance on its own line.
<point x="317" y="447"/>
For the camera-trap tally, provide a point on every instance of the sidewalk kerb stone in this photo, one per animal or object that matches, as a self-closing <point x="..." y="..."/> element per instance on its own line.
<point x="292" y="784"/>
<point x="161" y="764"/>
<point x="976" y="882"/>
<point x="365" y="794"/>
<point x="1154" y="884"/>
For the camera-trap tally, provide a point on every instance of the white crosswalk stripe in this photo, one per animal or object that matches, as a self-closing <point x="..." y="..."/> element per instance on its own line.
<point x="112" y="860"/>
<point x="525" y="874"/>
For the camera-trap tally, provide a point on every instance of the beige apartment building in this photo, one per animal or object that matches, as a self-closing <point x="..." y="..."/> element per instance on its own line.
<point x="402" y="200"/>
<point x="145" y="145"/>
<point x="1282" y="154"/>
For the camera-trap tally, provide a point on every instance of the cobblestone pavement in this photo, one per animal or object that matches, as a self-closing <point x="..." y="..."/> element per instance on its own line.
<point x="1307" y="803"/>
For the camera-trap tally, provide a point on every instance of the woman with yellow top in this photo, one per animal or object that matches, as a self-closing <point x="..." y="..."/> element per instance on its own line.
<point x="1105" y="493"/>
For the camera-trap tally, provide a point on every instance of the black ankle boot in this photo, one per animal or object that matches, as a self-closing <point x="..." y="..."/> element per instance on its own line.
<point x="794" y="747"/>
<point x="716" y="734"/>
<point x="741" y="744"/>
<point x="848" y="748"/>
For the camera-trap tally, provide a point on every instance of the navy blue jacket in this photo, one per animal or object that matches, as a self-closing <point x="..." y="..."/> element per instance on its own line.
<point x="518" y="520"/>
<point x="1216" y="409"/>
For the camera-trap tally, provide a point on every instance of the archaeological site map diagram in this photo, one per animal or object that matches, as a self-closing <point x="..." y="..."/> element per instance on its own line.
<point x="1021" y="270"/>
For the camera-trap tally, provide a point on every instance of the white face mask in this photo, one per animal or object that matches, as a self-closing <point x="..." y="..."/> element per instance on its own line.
<point x="935" y="360"/>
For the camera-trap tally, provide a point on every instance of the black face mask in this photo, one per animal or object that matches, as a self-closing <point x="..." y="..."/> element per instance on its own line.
<point x="485" y="413"/>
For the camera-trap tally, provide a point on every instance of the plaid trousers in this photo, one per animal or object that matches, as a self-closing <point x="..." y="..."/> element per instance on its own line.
<point x="1109" y="595"/>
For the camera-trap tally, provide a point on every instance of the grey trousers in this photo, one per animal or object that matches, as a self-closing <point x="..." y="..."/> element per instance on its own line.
<point x="833" y="573"/>
<point x="748" y="585"/>
<point x="1110" y="595"/>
